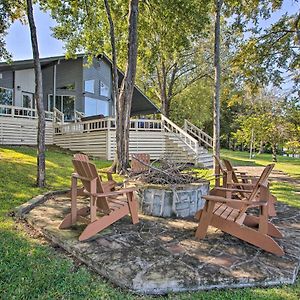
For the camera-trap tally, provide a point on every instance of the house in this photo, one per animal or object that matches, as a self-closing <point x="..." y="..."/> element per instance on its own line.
<point x="68" y="85"/>
<point x="80" y="113"/>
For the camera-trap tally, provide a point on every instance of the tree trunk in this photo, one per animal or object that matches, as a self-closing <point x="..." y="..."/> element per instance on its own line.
<point x="217" y="67"/>
<point x="261" y="148"/>
<point x="274" y="152"/>
<point x="38" y="99"/>
<point x="115" y="77"/>
<point x="126" y="92"/>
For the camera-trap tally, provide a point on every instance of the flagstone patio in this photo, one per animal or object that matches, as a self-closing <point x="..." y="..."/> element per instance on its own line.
<point x="158" y="256"/>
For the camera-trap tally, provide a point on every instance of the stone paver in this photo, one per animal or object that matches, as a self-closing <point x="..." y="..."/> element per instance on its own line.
<point x="159" y="255"/>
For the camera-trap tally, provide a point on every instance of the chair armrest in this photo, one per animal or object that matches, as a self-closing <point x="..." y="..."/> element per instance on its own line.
<point x="242" y="184"/>
<point x="233" y="190"/>
<point x="225" y="200"/>
<point x="108" y="174"/>
<point x="259" y="203"/>
<point x="112" y="193"/>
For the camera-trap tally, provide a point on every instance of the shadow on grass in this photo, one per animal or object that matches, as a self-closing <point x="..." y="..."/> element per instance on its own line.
<point x="33" y="271"/>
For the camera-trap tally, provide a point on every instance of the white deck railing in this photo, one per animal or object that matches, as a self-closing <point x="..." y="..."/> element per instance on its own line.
<point x="22" y="112"/>
<point x="198" y="133"/>
<point x="106" y="124"/>
<point x="171" y="127"/>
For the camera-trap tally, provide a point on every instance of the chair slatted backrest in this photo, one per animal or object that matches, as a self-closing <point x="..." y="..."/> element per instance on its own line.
<point x="262" y="181"/>
<point x="220" y="164"/>
<point x="81" y="156"/>
<point x="88" y="172"/>
<point x="140" y="162"/>
<point x="229" y="168"/>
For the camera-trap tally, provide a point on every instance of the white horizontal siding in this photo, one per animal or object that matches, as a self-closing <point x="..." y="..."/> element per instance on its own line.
<point x="19" y="131"/>
<point x="91" y="143"/>
<point x="152" y="142"/>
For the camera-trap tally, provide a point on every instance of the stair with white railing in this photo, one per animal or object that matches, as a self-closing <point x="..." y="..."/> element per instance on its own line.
<point x="183" y="146"/>
<point x="202" y="137"/>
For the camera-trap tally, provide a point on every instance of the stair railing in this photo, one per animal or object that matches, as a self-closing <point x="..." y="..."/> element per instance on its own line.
<point x="58" y="116"/>
<point x="78" y="116"/>
<point x="197" y="132"/>
<point x="169" y="126"/>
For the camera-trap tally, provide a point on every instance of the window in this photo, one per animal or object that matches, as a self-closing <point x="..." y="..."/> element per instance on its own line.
<point x="65" y="104"/>
<point x="6" y="96"/>
<point x="69" y="87"/>
<point x="95" y="107"/>
<point x="104" y="90"/>
<point x="27" y="100"/>
<point x="58" y="103"/>
<point x="89" y="86"/>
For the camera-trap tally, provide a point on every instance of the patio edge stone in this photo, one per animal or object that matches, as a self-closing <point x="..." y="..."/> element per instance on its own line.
<point x="26" y="207"/>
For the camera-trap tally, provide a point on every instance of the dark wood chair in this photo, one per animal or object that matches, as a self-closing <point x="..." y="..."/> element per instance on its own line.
<point x="139" y="163"/>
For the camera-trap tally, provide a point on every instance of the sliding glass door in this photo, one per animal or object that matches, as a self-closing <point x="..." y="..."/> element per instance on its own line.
<point x="65" y="104"/>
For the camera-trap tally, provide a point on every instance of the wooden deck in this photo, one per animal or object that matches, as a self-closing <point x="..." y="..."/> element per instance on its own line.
<point x="18" y="126"/>
<point x="159" y="138"/>
<point x="156" y="137"/>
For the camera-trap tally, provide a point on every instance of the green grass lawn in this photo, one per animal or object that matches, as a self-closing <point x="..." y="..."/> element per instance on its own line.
<point x="31" y="269"/>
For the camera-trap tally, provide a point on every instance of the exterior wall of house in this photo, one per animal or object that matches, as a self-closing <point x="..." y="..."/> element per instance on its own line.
<point x="7" y="79"/>
<point x="68" y="72"/>
<point x="23" y="82"/>
<point x="47" y="74"/>
<point x="99" y="71"/>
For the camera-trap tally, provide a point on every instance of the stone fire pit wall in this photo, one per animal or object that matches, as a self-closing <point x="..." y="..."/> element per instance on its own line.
<point x="179" y="201"/>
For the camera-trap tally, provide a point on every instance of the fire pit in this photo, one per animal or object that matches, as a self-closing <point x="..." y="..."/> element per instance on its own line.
<point x="171" y="190"/>
<point x="179" y="201"/>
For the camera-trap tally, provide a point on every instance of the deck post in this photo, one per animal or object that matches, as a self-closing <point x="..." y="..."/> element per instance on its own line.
<point x="108" y="139"/>
<point x="54" y="86"/>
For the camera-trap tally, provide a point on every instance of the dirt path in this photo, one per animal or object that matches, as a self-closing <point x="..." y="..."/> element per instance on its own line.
<point x="276" y="175"/>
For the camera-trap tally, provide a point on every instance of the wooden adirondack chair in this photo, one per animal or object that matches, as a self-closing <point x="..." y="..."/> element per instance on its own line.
<point x="222" y="173"/>
<point x="230" y="216"/>
<point x="111" y="205"/>
<point x="136" y="165"/>
<point x="244" y="183"/>
<point x="110" y="184"/>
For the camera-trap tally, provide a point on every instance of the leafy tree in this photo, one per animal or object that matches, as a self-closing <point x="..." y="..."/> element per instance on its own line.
<point x="38" y="95"/>
<point x="194" y="104"/>
<point x="11" y="11"/>
<point x="95" y="26"/>
<point x="265" y="117"/>
<point x="173" y="34"/>
<point x="270" y="55"/>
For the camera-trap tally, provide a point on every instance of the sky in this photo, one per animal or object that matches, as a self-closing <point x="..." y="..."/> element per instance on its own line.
<point x="18" y="39"/>
<point x="19" y="45"/>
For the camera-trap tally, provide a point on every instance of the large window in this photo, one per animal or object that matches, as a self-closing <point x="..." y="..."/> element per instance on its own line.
<point x="95" y="107"/>
<point x="89" y="86"/>
<point x="104" y="90"/>
<point x="65" y="104"/>
<point x="6" y="96"/>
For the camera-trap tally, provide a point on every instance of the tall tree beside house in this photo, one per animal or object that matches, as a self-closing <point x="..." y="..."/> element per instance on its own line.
<point x="97" y="26"/>
<point x="173" y="34"/>
<point x="11" y="11"/>
<point x="217" y="87"/>
<point x="41" y="166"/>
<point x="124" y="100"/>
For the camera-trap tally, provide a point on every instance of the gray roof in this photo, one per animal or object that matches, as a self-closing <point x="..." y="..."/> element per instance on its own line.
<point x="141" y="104"/>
